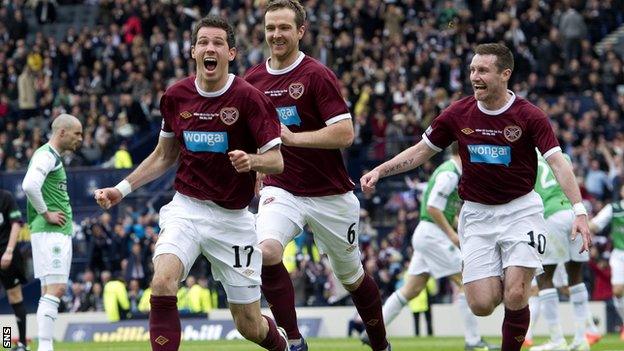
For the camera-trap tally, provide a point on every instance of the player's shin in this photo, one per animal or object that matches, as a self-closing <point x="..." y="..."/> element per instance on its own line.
<point x="280" y="294"/>
<point x="367" y="301"/>
<point x="515" y="326"/>
<point x="164" y="323"/>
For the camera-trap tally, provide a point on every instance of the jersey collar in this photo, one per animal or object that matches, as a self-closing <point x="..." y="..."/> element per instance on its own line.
<point x="286" y="69"/>
<point x="215" y="93"/>
<point x="500" y="110"/>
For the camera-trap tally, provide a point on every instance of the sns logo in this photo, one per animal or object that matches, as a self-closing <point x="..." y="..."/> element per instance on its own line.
<point x="490" y="154"/>
<point x="288" y="115"/>
<point x="206" y="141"/>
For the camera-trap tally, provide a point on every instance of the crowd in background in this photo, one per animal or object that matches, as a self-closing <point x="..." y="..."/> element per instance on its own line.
<point x="400" y="64"/>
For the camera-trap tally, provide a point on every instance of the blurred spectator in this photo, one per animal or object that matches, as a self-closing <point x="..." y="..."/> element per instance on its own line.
<point x="45" y="10"/>
<point x="115" y="297"/>
<point x="122" y="157"/>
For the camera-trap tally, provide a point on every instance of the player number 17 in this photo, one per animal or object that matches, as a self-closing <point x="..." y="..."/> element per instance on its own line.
<point x="237" y="260"/>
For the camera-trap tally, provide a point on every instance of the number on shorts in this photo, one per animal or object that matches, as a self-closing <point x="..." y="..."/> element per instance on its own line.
<point x="541" y="241"/>
<point x="351" y="234"/>
<point x="237" y="263"/>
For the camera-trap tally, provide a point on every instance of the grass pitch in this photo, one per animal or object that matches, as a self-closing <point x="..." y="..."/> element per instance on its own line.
<point x="608" y="343"/>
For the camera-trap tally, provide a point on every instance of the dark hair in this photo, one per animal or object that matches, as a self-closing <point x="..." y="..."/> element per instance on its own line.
<point x="294" y="5"/>
<point x="504" y="58"/>
<point x="213" y="21"/>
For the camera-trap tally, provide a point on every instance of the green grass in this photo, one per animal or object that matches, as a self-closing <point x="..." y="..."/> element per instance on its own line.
<point x="608" y="343"/>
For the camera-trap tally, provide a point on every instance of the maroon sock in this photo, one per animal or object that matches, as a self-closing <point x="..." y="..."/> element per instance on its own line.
<point x="515" y="326"/>
<point x="273" y="340"/>
<point x="280" y="294"/>
<point x="164" y="323"/>
<point x="368" y="303"/>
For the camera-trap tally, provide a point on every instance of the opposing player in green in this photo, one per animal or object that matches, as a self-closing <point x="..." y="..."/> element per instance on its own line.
<point x="613" y="214"/>
<point x="556" y="247"/>
<point x="50" y="221"/>
<point x="436" y="249"/>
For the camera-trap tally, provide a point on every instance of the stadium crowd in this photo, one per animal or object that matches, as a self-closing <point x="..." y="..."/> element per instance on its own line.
<point x="400" y="64"/>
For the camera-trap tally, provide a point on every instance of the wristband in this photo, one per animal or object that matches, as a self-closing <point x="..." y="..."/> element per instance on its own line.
<point x="124" y="188"/>
<point x="9" y="250"/>
<point x="579" y="209"/>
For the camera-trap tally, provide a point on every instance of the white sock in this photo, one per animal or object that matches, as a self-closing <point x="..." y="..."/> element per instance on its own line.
<point x="393" y="306"/>
<point x="471" y="327"/>
<point x="47" y="312"/>
<point x="619" y="305"/>
<point x="578" y="298"/>
<point x="534" y="308"/>
<point x="589" y="323"/>
<point x="549" y="301"/>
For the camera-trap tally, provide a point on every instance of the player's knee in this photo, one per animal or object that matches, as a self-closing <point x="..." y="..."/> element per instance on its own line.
<point x="57" y="290"/>
<point x="352" y="279"/>
<point x="481" y="308"/>
<point x="515" y="297"/>
<point x="272" y="252"/>
<point x="163" y="284"/>
<point x="618" y="290"/>
<point x="14" y="295"/>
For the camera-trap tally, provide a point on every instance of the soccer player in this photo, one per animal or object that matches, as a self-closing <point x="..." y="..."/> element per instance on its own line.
<point x="314" y="188"/>
<point x="558" y="248"/>
<point x="220" y="131"/>
<point x="11" y="265"/>
<point x="501" y="221"/>
<point x="436" y="249"/>
<point x="613" y="214"/>
<point x="50" y="221"/>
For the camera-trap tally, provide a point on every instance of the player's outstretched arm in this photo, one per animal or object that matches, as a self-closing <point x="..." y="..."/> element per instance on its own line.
<point x="408" y="159"/>
<point x="269" y="162"/>
<point x="565" y="177"/>
<point x="334" y="136"/>
<point x="158" y="162"/>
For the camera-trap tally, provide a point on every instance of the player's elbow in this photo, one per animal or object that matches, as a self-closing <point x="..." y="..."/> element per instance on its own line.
<point x="347" y="138"/>
<point x="432" y="211"/>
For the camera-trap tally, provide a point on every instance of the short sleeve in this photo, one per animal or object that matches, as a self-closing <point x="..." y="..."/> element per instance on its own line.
<point x="329" y="100"/>
<point x="440" y="135"/>
<point x="263" y="121"/>
<point x="166" y="110"/>
<point x="543" y="135"/>
<point x="443" y="187"/>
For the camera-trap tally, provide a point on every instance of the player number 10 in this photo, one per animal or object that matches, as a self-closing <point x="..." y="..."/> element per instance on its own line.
<point x="541" y="241"/>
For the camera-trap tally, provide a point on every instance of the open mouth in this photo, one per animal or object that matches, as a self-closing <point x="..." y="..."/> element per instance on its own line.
<point x="479" y="87"/>
<point x="210" y="63"/>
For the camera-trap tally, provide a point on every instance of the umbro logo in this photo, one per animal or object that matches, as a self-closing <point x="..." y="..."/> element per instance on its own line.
<point x="161" y="340"/>
<point x="372" y="322"/>
<point x="186" y="115"/>
<point x="467" y="131"/>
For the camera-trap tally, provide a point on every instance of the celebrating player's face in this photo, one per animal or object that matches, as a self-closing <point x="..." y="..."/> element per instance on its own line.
<point x="282" y="34"/>
<point x="488" y="83"/>
<point x="212" y="55"/>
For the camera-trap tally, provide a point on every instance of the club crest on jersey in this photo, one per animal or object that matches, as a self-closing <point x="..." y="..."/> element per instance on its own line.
<point x="467" y="131"/>
<point x="512" y="133"/>
<point x="186" y="115"/>
<point x="295" y="90"/>
<point x="228" y="115"/>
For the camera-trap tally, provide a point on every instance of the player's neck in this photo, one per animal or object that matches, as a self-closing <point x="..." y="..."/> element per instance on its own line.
<point x="277" y="64"/>
<point x="55" y="144"/>
<point x="498" y="102"/>
<point x="212" y="86"/>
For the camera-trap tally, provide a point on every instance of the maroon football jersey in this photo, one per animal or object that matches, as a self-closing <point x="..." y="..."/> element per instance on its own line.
<point x="207" y="126"/>
<point x="497" y="148"/>
<point x="307" y="98"/>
